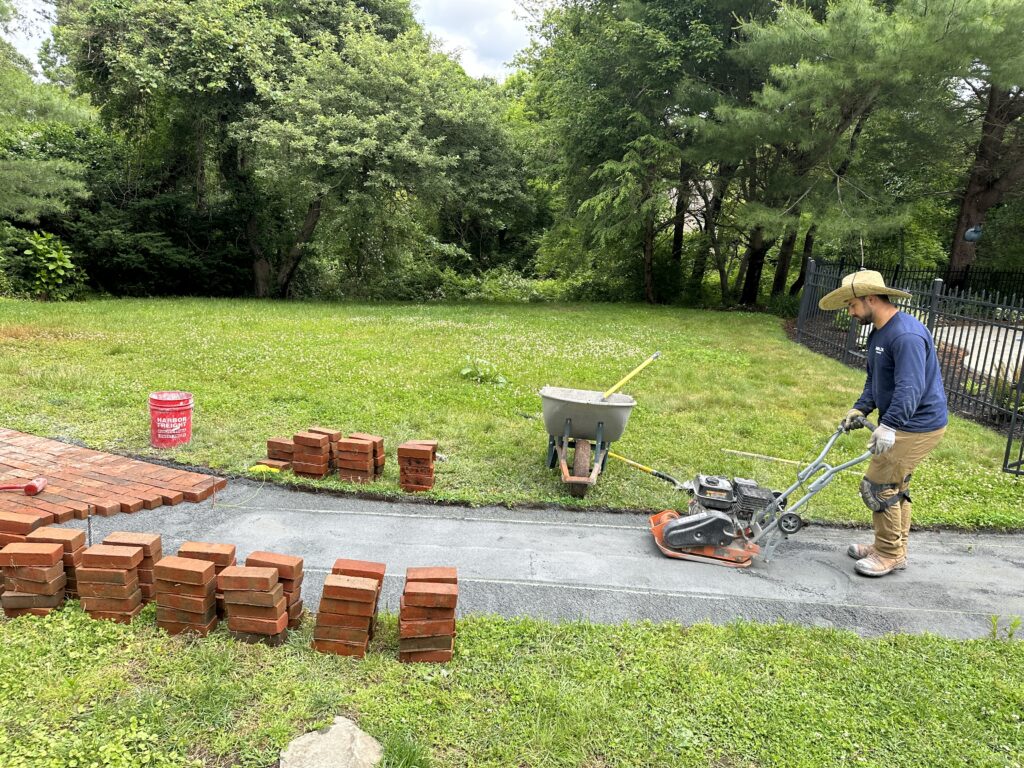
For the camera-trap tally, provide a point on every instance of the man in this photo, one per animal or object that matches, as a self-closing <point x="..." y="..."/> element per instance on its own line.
<point x="905" y="385"/>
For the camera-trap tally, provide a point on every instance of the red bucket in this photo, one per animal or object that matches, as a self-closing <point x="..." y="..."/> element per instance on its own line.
<point x="170" y="419"/>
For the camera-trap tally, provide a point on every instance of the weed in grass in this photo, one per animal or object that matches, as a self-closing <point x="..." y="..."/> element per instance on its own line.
<point x="482" y="372"/>
<point x="1007" y="632"/>
<point x="402" y="751"/>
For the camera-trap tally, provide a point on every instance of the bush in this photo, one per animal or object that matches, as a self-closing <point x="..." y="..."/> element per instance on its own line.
<point x="40" y="266"/>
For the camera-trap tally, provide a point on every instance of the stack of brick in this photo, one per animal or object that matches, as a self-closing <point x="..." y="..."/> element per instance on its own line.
<point x="256" y="606"/>
<point x="280" y="451"/>
<point x="221" y="555"/>
<point x="378" y="450"/>
<point x="108" y="582"/>
<point x="426" y="615"/>
<point x="363" y="569"/>
<point x="312" y="456"/>
<point x="416" y="465"/>
<point x="333" y="436"/>
<point x="345" y="620"/>
<point x="355" y="461"/>
<point x="33" y="578"/>
<point x="73" y="542"/>
<point x="15" y="526"/>
<point x="289" y="576"/>
<point x="152" y="551"/>
<point x="185" y="595"/>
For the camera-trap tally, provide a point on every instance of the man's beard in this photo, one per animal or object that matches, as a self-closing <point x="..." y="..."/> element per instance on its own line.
<point x="865" y="320"/>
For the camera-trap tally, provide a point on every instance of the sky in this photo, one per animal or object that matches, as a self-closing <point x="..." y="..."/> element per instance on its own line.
<point x="483" y="34"/>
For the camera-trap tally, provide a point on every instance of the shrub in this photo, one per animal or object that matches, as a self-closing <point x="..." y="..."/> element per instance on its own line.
<point x="39" y="265"/>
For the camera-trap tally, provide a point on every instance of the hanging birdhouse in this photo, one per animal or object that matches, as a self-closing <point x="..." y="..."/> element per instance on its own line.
<point x="973" y="234"/>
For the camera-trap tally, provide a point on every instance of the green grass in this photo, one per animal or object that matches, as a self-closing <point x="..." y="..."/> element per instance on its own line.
<point x="78" y="692"/>
<point x="261" y="369"/>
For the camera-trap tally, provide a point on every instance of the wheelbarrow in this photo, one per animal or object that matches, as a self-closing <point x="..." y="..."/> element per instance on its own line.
<point x="587" y="422"/>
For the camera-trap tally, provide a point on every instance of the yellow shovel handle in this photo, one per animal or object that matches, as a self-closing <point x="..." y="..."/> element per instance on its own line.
<point x="630" y="375"/>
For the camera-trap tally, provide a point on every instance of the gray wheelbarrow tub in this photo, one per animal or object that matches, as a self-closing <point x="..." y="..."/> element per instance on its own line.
<point x="586" y="409"/>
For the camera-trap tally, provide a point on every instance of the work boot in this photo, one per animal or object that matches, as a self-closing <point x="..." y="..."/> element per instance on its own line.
<point x="876" y="564"/>
<point x="860" y="551"/>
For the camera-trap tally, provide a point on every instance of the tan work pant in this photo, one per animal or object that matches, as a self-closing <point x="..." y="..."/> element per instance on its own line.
<point x="892" y="524"/>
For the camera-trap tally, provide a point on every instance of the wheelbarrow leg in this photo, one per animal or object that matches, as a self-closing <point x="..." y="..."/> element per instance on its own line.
<point x="552" y="452"/>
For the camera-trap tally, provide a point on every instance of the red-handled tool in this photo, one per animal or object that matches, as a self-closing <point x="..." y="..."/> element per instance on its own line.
<point x="29" y="489"/>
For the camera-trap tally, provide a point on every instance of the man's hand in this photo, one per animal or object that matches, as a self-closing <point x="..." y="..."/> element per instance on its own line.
<point x="850" y="421"/>
<point x="882" y="439"/>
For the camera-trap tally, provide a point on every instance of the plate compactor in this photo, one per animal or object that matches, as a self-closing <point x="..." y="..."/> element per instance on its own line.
<point x="730" y="522"/>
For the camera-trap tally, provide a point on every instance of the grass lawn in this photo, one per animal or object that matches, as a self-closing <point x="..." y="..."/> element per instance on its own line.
<point x="78" y="692"/>
<point x="260" y="369"/>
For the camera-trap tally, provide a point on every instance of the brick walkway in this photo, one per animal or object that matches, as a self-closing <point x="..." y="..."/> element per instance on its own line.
<point x="80" y="480"/>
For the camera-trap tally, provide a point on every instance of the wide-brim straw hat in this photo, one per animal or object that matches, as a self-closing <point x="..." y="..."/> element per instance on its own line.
<point x="858" y="285"/>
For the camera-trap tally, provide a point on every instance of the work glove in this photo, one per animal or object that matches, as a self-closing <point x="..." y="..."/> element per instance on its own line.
<point x="850" y="421"/>
<point x="882" y="439"/>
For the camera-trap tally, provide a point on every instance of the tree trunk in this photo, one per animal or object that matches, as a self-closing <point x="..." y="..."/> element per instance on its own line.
<point x="785" y="258"/>
<point x="297" y="249"/>
<point x="808" y="252"/>
<point x="712" y="213"/>
<point x="200" y="161"/>
<point x="756" y="252"/>
<point x="261" y="268"/>
<point x="649" y="259"/>
<point x="997" y="169"/>
<point x="679" y="220"/>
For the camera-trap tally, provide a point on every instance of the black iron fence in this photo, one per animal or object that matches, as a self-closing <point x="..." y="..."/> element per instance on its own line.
<point x="979" y="338"/>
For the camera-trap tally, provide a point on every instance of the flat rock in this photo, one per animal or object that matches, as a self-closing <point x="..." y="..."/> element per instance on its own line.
<point x="341" y="745"/>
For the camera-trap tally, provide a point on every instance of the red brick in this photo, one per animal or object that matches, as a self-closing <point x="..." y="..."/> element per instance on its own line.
<point x="117" y="616"/>
<point x="258" y="626"/>
<point x="13" y="613"/>
<point x="352" y="588"/>
<point x="35" y="572"/>
<point x="340" y="634"/>
<point x="119" y="576"/>
<point x="109" y="556"/>
<point x="437" y="643"/>
<point x="15" y="522"/>
<point x="11" y="538"/>
<point x="282" y="444"/>
<point x="179" y="616"/>
<point x="291" y="586"/>
<point x="416" y="475"/>
<point x="347" y="607"/>
<point x="270" y="613"/>
<point x="294" y="611"/>
<point x="73" y="559"/>
<point x="150" y="542"/>
<point x="341" y="649"/>
<point x="278" y="464"/>
<point x="254" y="596"/>
<point x="363" y="568"/>
<point x="288" y="566"/>
<point x="185" y="603"/>
<point x="26" y="600"/>
<point x="333" y="435"/>
<point x="425" y="628"/>
<point x="310" y="470"/>
<point x="113" y="591"/>
<point x="412" y="450"/>
<point x="430" y="595"/>
<point x="28" y="553"/>
<point x="242" y="577"/>
<point x="113" y="604"/>
<point x="313" y="459"/>
<point x="377" y="440"/>
<point x="51" y="587"/>
<point x="280" y="456"/>
<point x="222" y="555"/>
<point x="415" y="487"/>
<point x="437" y="657"/>
<point x="148" y="592"/>
<point x="311" y="439"/>
<point x="180" y="588"/>
<point x="72" y="540"/>
<point x="184" y="570"/>
<point x="406" y="463"/>
<point x="146" y="575"/>
<point x="356" y="466"/>
<point x="344" y="620"/>
<point x="436" y="574"/>
<point x="180" y="627"/>
<point x="348" y="445"/>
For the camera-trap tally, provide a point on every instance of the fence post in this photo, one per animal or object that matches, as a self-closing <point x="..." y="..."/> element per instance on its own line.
<point x="805" y="300"/>
<point x="851" y="339"/>
<point x="933" y="310"/>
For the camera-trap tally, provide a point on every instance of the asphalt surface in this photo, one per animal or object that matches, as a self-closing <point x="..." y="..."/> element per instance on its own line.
<point x="604" y="567"/>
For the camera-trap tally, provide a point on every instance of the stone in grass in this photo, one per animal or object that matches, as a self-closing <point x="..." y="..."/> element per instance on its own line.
<point x="341" y="745"/>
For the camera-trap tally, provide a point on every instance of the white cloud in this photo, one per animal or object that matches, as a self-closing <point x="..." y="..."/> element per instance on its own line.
<point x="486" y="34"/>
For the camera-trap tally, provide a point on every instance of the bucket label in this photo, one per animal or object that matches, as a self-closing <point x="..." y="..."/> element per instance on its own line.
<point x="171" y="426"/>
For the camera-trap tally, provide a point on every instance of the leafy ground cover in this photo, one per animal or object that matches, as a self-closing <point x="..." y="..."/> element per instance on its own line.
<point x="78" y="692"/>
<point x="734" y="381"/>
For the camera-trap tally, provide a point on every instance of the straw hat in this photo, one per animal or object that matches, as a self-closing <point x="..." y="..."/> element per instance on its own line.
<point x="857" y="286"/>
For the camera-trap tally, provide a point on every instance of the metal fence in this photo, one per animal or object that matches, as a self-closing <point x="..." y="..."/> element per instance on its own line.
<point x="979" y="338"/>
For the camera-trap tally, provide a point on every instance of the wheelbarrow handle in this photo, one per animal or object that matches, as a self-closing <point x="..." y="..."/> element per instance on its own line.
<point x="630" y="375"/>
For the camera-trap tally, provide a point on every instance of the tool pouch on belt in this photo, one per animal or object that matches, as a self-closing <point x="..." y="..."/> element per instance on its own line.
<point x="872" y="494"/>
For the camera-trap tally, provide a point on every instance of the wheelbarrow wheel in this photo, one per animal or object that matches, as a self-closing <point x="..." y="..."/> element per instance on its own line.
<point x="552" y="453"/>
<point x="580" y="468"/>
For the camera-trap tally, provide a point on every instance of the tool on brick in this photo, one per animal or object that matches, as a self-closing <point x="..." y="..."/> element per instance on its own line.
<point x="730" y="522"/>
<point x="32" y="488"/>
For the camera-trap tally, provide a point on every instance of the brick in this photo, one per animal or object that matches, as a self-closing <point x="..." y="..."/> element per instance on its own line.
<point x="333" y="435"/>
<point x="15" y="522"/>
<point x="437" y="657"/>
<point x="347" y="607"/>
<point x="117" y="616"/>
<point x="11" y="538"/>
<point x="377" y="440"/>
<point x="51" y="587"/>
<point x="13" y="613"/>
<point x="73" y="559"/>
<point x="407" y="629"/>
<point x="315" y="459"/>
<point x="294" y="611"/>
<point x="146" y="575"/>
<point x="341" y="649"/>
<point x="173" y="601"/>
<point x="352" y="588"/>
<point x="340" y="634"/>
<point x="219" y="554"/>
<point x="31" y="554"/>
<point x="280" y="456"/>
<point x="72" y="539"/>
<point x="113" y="604"/>
<point x="430" y="595"/>
<point x="274" y="641"/>
<point x="415" y="451"/>
<point x="282" y="444"/>
<point x="256" y="597"/>
<point x="348" y="445"/>
<point x="112" y="591"/>
<point x="438" y="643"/>
<point x="275" y="464"/>
<point x="415" y="487"/>
<point x="178" y="616"/>
<point x="419" y="613"/>
<point x="148" y="592"/>
<point x="365" y="465"/>
<point x="26" y="600"/>
<point x="344" y="620"/>
<point x="258" y="626"/>
<point x="242" y="577"/>
<point x="150" y="542"/>
<point x="405" y="463"/>
<point x="35" y="572"/>
<point x="291" y="586"/>
<point x="311" y="439"/>
<point x="363" y="568"/>
<point x="417" y="475"/>
<point x="310" y="470"/>
<point x="436" y="574"/>
<point x="288" y="566"/>
<point x="181" y="627"/>
<point x="118" y="576"/>
<point x="109" y="556"/>
<point x="184" y="570"/>
<point x="270" y="612"/>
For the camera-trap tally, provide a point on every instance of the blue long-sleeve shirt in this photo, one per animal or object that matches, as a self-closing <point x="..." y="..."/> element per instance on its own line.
<point x="904" y="381"/>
